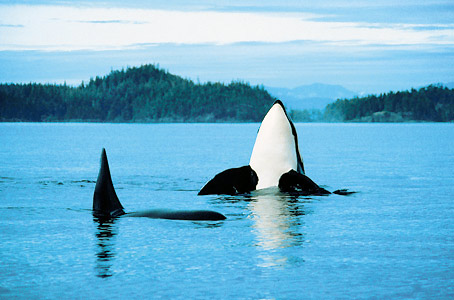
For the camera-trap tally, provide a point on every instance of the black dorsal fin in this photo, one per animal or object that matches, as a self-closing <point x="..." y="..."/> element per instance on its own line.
<point x="105" y="200"/>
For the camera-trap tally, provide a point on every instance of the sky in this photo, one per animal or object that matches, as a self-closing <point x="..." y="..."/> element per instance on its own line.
<point x="365" y="46"/>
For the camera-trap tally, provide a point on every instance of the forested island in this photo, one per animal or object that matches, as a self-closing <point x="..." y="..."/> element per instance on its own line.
<point x="150" y="94"/>
<point x="434" y="103"/>
<point x="137" y="94"/>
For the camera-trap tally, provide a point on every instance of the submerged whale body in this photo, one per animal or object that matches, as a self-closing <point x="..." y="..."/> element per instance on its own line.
<point x="107" y="205"/>
<point x="275" y="161"/>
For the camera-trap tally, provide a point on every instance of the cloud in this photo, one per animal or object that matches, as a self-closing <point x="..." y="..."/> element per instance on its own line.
<point x="371" y="48"/>
<point x="110" y="22"/>
<point x="72" y="28"/>
<point x="424" y="27"/>
<point x="11" y="25"/>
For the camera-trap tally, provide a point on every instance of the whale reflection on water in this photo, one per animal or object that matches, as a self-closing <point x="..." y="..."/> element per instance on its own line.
<point x="105" y="252"/>
<point x="277" y="224"/>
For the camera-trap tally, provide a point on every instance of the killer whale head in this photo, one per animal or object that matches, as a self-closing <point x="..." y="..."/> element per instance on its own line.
<point x="275" y="162"/>
<point x="275" y="150"/>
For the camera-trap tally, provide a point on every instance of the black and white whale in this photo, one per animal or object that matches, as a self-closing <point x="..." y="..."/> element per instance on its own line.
<point x="275" y="161"/>
<point x="107" y="205"/>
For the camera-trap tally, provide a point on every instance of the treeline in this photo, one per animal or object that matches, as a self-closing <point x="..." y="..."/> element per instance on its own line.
<point x="150" y="94"/>
<point x="433" y="103"/>
<point x="138" y="94"/>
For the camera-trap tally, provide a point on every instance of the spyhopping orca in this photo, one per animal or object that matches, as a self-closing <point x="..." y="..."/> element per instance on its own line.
<point x="275" y="161"/>
<point x="107" y="205"/>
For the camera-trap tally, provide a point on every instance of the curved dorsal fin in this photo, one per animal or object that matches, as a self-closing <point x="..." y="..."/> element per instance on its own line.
<point x="105" y="200"/>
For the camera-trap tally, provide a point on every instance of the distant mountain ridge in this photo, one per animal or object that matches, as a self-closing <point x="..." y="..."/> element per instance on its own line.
<point x="312" y="96"/>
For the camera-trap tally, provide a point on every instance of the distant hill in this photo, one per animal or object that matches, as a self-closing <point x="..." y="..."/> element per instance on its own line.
<point x="139" y="94"/>
<point x="434" y="103"/>
<point x="314" y="96"/>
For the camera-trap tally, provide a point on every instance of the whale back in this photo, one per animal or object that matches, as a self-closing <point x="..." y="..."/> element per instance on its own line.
<point x="275" y="150"/>
<point x="188" y="215"/>
<point x="107" y="205"/>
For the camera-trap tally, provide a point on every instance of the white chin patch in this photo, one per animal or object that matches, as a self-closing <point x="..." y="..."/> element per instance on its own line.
<point x="274" y="150"/>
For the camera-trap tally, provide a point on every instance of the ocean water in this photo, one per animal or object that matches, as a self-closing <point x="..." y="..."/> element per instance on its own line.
<point x="394" y="239"/>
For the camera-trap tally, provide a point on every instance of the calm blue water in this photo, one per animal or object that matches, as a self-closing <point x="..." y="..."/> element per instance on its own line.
<point x="392" y="240"/>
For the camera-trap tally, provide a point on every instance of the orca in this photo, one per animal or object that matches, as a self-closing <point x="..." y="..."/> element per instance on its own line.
<point x="106" y="204"/>
<point x="275" y="161"/>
